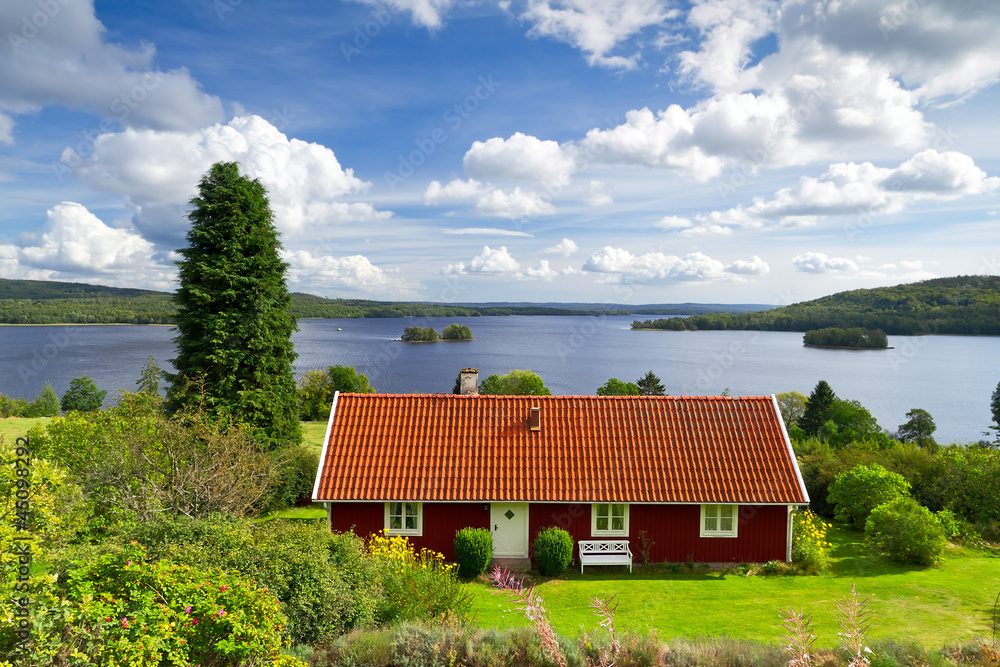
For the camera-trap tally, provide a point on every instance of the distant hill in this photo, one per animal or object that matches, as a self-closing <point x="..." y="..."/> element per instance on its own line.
<point x="50" y="302"/>
<point x="960" y="305"/>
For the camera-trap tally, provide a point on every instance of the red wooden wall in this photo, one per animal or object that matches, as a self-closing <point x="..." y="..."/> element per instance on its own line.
<point x="673" y="529"/>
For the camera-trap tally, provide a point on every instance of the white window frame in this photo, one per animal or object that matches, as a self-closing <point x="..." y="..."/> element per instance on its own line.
<point x="716" y="512"/>
<point x="609" y="532"/>
<point x="419" y="530"/>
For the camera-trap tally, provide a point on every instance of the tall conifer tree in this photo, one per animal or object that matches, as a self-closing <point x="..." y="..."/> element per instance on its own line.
<point x="234" y="348"/>
<point x="818" y="408"/>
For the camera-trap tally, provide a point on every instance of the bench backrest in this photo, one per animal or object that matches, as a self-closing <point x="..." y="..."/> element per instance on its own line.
<point x="603" y="546"/>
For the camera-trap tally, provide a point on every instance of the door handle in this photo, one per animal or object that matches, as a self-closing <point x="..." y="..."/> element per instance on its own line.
<point x="496" y="528"/>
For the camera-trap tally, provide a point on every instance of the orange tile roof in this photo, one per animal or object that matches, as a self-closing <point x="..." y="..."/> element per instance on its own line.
<point x="638" y="449"/>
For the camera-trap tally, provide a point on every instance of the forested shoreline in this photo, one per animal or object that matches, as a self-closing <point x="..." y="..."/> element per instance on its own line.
<point x="968" y="305"/>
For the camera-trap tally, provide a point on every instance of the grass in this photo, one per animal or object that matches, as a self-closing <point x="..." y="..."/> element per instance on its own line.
<point x="16" y="427"/>
<point x="312" y="434"/>
<point x="934" y="606"/>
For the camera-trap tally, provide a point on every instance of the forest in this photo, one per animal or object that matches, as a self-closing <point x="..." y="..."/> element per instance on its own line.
<point x="967" y="305"/>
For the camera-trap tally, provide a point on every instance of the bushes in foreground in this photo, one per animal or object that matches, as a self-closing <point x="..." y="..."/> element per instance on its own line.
<point x="905" y="532"/>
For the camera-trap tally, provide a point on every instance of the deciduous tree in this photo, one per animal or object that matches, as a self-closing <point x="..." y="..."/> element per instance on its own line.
<point x="234" y="347"/>
<point x="918" y="428"/>
<point x="82" y="396"/>
<point x="615" y="387"/>
<point x="515" y="383"/>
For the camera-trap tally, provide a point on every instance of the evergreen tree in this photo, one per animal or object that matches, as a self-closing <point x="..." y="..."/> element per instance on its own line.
<point x="995" y="409"/>
<point x="82" y="396"/>
<point x="234" y="347"/>
<point x="46" y="404"/>
<point x="650" y="385"/>
<point x="818" y="408"/>
<point x="149" y="377"/>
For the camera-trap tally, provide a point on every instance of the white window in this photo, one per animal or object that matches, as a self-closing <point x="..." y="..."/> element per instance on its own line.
<point x="609" y="519"/>
<point x="719" y="520"/>
<point x="404" y="518"/>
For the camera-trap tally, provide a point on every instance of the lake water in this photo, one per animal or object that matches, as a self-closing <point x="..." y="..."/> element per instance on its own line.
<point x="952" y="377"/>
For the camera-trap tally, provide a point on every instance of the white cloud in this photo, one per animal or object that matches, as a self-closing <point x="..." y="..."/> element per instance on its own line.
<point x="74" y="244"/>
<point x="912" y="266"/>
<point x="428" y="14"/>
<point x="489" y="261"/>
<point x="489" y="200"/>
<point x="657" y="267"/>
<point x="324" y="273"/>
<point x="65" y="60"/>
<point x="674" y="222"/>
<point x="158" y="172"/>
<point x="541" y="271"/>
<point x="596" y="27"/>
<point x="564" y="248"/>
<point x="728" y="28"/>
<point x="595" y="195"/>
<point x="6" y="129"/>
<point x="486" y="231"/>
<point x="817" y="262"/>
<point x="521" y="157"/>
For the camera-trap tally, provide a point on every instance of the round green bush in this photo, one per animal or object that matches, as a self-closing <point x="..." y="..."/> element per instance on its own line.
<point x="553" y="551"/>
<point x="473" y="551"/>
<point x="856" y="492"/>
<point x="905" y="532"/>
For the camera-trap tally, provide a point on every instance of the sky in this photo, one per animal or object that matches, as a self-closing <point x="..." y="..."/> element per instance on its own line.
<point x="615" y="151"/>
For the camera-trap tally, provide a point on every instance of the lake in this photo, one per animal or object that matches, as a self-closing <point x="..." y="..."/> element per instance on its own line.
<point x="952" y="377"/>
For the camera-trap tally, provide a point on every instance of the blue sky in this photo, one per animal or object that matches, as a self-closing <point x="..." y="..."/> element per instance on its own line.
<point x="632" y="151"/>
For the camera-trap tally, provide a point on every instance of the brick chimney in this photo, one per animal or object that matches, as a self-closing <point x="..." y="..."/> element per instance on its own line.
<point x="469" y="382"/>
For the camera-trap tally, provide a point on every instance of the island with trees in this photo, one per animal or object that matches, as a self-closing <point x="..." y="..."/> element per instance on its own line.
<point x="430" y="334"/>
<point x="854" y="338"/>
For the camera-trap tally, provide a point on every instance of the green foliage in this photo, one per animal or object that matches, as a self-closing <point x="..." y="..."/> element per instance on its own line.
<point x="861" y="489"/>
<point x="817" y="410"/>
<point x="456" y="332"/>
<point x="82" y="396"/>
<point x="650" y="385"/>
<point x="849" y="422"/>
<point x="46" y="404"/>
<point x="810" y="549"/>
<point x="792" y="406"/>
<point x="515" y="383"/>
<point x="149" y="377"/>
<point x="553" y="551"/>
<point x="316" y="389"/>
<point x="966" y="480"/>
<point x="855" y="337"/>
<point x="960" y="305"/>
<point x="918" y="428"/>
<point x="995" y="410"/>
<point x="615" y="387"/>
<point x="295" y="474"/>
<point x="414" y="585"/>
<point x="12" y="407"/>
<point x="905" y="532"/>
<point x="118" y="608"/>
<point x="420" y="335"/>
<point x="473" y="551"/>
<point x="134" y="460"/>
<point x="234" y="348"/>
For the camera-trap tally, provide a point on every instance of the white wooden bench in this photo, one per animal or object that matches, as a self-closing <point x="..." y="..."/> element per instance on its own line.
<point x="605" y="552"/>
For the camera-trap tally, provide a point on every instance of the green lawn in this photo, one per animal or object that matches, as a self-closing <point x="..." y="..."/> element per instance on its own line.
<point x="312" y="434"/>
<point x="16" y="427"/>
<point x="935" y="606"/>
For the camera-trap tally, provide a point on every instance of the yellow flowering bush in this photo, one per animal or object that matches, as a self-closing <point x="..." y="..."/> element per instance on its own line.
<point x="810" y="549"/>
<point x="414" y="584"/>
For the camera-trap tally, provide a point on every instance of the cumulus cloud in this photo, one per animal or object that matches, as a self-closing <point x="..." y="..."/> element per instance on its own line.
<point x="817" y="262"/>
<point x="728" y="28"/>
<point x="521" y="158"/>
<point x="658" y="267"/>
<point x="564" y="248"/>
<point x="65" y="60"/>
<point x="541" y="271"/>
<point x="489" y="261"/>
<point x="158" y="172"/>
<point x="354" y="272"/>
<point x="596" y="27"/>
<point x="488" y="199"/>
<point x="74" y="244"/>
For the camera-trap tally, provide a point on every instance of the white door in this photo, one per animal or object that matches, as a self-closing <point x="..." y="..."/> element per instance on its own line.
<point x="510" y="530"/>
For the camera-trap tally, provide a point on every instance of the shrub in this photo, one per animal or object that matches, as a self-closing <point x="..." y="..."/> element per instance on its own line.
<point x="905" y="532"/>
<point x="473" y="551"/>
<point x="296" y="474"/>
<point x="414" y="585"/>
<point x="861" y="489"/>
<point x="82" y="396"/>
<point x="553" y="551"/>
<point x="809" y="545"/>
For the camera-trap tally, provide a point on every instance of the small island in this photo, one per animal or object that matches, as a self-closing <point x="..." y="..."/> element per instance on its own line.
<point x="855" y="338"/>
<point x="430" y="335"/>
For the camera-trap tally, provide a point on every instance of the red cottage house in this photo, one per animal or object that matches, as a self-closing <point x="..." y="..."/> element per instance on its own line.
<point x="709" y="479"/>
